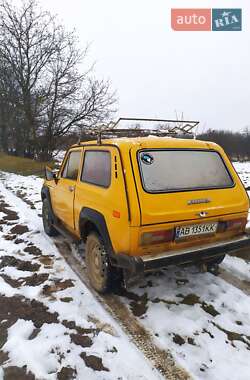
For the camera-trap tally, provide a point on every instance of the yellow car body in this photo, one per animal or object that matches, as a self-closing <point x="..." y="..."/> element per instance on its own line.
<point x="141" y="224"/>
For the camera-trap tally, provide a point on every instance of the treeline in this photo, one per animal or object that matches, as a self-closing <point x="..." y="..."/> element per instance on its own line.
<point x="235" y="144"/>
<point x="47" y="87"/>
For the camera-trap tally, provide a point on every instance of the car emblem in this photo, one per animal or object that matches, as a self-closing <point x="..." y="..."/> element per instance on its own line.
<point x="147" y="158"/>
<point x="202" y="214"/>
<point x="198" y="201"/>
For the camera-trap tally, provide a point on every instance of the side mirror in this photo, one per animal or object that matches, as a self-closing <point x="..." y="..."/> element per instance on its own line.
<point x="51" y="174"/>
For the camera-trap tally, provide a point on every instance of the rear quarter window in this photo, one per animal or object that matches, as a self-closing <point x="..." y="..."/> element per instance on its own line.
<point x="97" y="168"/>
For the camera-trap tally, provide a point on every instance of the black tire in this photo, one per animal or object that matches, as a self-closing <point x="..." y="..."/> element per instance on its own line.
<point x="98" y="267"/>
<point x="47" y="219"/>
<point x="216" y="261"/>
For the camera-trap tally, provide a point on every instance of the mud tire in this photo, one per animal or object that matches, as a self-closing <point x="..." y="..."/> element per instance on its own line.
<point x="47" y="219"/>
<point x="98" y="267"/>
<point x="218" y="260"/>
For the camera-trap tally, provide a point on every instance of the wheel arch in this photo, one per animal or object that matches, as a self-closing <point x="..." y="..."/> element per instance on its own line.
<point x="93" y="220"/>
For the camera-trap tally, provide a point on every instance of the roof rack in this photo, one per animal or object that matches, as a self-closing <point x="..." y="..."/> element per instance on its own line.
<point x="172" y="128"/>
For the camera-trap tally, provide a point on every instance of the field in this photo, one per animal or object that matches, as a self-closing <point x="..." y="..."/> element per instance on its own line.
<point x="54" y="327"/>
<point x="19" y="165"/>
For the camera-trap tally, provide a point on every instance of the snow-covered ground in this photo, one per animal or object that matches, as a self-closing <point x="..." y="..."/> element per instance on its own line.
<point x="53" y="325"/>
<point x="203" y="320"/>
<point x="243" y="169"/>
<point x="50" y="324"/>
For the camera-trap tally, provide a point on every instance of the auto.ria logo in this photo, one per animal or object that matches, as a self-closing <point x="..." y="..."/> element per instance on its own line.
<point x="227" y="20"/>
<point x="206" y="19"/>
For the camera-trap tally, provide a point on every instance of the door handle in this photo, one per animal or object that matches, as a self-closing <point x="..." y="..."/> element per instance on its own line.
<point x="71" y="188"/>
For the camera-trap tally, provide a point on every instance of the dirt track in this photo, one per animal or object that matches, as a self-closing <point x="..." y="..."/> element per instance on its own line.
<point x="161" y="360"/>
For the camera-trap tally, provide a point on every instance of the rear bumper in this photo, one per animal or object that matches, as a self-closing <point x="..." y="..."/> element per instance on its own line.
<point x="197" y="254"/>
<point x="147" y="263"/>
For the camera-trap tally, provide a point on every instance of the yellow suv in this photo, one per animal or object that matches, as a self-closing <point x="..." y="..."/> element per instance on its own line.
<point x="146" y="201"/>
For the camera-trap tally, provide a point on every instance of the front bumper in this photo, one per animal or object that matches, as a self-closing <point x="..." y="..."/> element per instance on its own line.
<point x="136" y="265"/>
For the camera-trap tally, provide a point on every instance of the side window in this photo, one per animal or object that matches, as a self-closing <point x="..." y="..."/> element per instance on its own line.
<point x="71" y="167"/>
<point x="97" y="168"/>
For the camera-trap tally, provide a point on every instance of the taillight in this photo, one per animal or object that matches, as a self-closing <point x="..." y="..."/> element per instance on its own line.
<point x="233" y="224"/>
<point x="157" y="237"/>
<point x="236" y="224"/>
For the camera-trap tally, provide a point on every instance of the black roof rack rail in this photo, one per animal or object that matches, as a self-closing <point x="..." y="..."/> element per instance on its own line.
<point x="172" y="128"/>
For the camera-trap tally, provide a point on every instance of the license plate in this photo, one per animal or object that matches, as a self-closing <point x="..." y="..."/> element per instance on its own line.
<point x="195" y="229"/>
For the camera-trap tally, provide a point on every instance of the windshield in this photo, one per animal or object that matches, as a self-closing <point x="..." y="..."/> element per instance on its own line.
<point x="182" y="170"/>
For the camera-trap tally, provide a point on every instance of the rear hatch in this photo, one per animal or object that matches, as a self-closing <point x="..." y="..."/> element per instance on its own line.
<point x="176" y="185"/>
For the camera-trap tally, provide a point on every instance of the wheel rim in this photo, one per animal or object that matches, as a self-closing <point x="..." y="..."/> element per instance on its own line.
<point x="97" y="264"/>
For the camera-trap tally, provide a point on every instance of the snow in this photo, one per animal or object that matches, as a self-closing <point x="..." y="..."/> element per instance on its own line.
<point x="50" y="337"/>
<point x="243" y="169"/>
<point x="52" y="348"/>
<point x="169" y="313"/>
<point x="201" y="318"/>
<point x="239" y="267"/>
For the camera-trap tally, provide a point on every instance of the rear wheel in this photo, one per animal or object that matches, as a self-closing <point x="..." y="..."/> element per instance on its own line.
<point x="48" y="219"/>
<point x="98" y="267"/>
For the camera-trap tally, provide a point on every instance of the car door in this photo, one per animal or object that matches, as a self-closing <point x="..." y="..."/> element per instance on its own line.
<point x="101" y="187"/>
<point x="65" y="189"/>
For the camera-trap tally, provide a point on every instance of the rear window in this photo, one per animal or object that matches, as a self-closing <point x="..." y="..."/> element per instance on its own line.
<point x="182" y="170"/>
<point x="97" y="168"/>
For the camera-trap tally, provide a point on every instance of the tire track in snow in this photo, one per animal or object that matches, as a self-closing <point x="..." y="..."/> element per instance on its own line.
<point x="223" y="274"/>
<point x="29" y="217"/>
<point x="121" y="312"/>
<point x="161" y="360"/>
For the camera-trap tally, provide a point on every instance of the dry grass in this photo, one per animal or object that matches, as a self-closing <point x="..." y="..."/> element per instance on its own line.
<point x="19" y="165"/>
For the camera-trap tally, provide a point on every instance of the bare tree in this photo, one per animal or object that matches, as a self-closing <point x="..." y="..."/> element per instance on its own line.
<point x="55" y="97"/>
<point x="10" y="116"/>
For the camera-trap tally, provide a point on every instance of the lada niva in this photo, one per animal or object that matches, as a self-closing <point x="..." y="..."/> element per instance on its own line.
<point x="146" y="201"/>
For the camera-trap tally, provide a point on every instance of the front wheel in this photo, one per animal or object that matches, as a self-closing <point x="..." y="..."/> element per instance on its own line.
<point x="97" y="264"/>
<point x="47" y="219"/>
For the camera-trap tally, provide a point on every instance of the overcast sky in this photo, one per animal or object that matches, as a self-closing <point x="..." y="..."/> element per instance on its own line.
<point x="155" y="70"/>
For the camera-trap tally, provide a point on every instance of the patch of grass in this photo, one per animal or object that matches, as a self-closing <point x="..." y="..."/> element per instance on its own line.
<point x="23" y="166"/>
